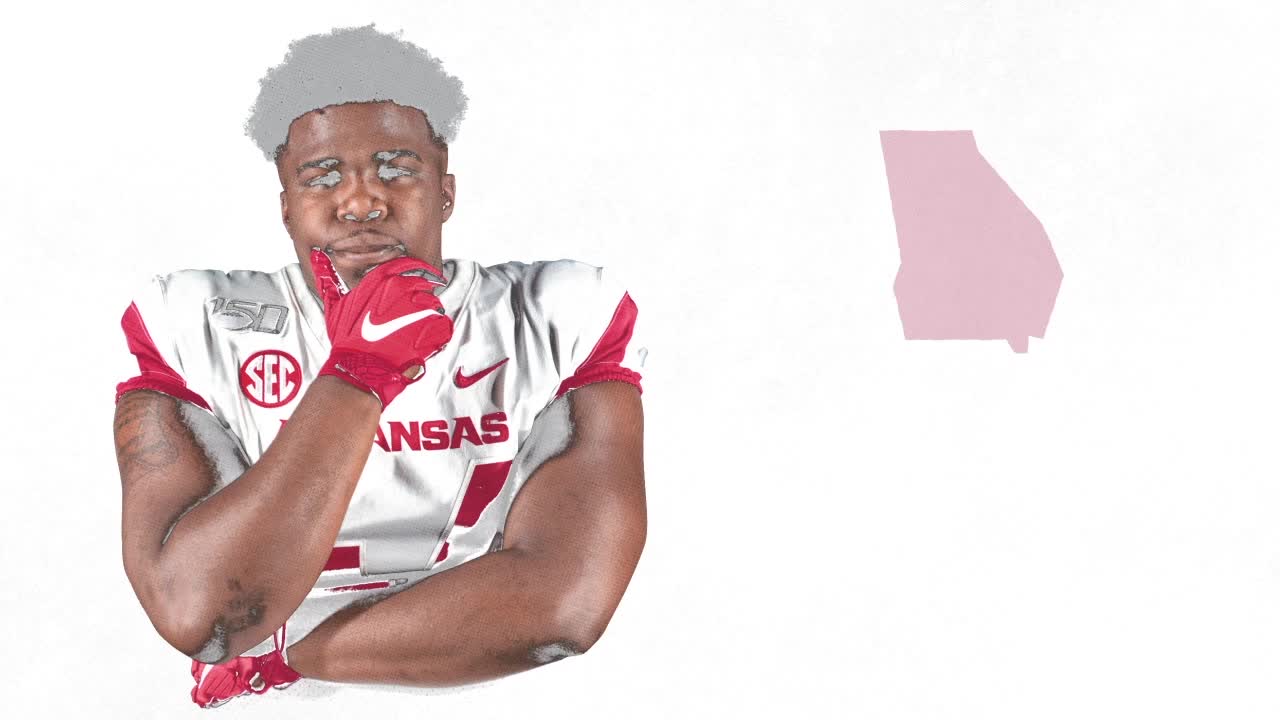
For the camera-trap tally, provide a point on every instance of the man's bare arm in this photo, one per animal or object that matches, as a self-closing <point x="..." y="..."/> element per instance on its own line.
<point x="217" y="576"/>
<point x="572" y="541"/>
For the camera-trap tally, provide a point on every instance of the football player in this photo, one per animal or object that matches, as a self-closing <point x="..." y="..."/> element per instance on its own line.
<point x="377" y="465"/>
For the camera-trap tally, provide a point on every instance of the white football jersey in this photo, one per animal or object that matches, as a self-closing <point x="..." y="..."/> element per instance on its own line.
<point x="450" y="453"/>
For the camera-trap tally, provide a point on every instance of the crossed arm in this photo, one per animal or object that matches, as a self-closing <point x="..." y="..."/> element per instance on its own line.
<point x="572" y="540"/>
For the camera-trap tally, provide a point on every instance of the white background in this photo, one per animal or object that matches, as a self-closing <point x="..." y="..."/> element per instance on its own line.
<point x="843" y="523"/>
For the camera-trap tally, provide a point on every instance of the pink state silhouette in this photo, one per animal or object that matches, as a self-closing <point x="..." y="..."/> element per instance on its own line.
<point x="976" y="263"/>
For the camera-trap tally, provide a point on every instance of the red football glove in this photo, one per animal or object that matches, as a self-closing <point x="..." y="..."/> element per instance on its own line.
<point x="391" y="322"/>
<point x="217" y="684"/>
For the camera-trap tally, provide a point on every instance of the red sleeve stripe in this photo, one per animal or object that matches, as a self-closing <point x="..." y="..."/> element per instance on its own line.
<point x="154" y="372"/>
<point x="160" y="384"/>
<point x="605" y="360"/>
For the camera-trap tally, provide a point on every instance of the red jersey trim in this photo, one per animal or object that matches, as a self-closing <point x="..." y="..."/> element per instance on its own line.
<point x="605" y="361"/>
<point x="343" y="557"/>
<point x="162" y="385"/>
<point x="155" y="374"/>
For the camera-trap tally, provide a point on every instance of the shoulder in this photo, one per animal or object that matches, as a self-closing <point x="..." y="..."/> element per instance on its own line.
<point x="580" y="315"/>
<point x="186" y="295"/>
<point x="193" y="304"/>
<point x="192" y="325"/>
<point x="184" y="285"/>
<point x="552" y="286"/>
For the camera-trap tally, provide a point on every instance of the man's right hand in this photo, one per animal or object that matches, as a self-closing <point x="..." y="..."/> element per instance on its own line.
<point x="383" y="331"/>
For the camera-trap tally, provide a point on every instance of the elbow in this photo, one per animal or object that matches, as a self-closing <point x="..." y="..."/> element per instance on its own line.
<point x="208" y="640"/>
<point x="173" y="620"/>
<point x="190" y="642"/>
<point x="566" y="629"/>
<point x="186" y="632"/>
<point x="579" y="624"/>
<point x="212" y="637"/>
<point x="569" y="641"/>
<point x="197" y="621"/>
<point x="562" y="643"/>
<point x="209" y="637"/>
<point x="192" y="631"/>
<point x="584" y="608"/>
<point x="185" y="623"/>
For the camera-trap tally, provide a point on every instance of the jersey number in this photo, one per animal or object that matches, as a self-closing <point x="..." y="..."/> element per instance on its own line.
<point x="483" y="487"/>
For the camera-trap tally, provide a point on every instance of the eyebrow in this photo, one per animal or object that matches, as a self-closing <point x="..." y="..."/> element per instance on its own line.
<point x="389" y="155"/>
<point x="323" y="163"/>
<point x="381" y="156"/>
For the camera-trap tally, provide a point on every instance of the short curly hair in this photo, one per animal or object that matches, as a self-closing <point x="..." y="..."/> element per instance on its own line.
<point x="349" y="65"/>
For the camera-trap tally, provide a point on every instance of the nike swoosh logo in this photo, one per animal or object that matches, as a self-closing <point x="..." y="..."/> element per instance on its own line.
<point x="465" y="381"/>
<point x="373" y="332"/>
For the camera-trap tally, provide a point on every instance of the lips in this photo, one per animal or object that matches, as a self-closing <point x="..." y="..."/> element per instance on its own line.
<point x="366" y="254"/>
<point x="364" y="250"/>
<point x="363" y="241"/>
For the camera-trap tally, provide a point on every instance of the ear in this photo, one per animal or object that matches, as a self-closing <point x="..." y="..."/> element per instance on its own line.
<point x="284" y="209"/>
<point x="448" y="196"/>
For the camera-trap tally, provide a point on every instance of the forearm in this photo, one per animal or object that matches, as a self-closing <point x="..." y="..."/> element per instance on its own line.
<point x="497" y="615"/>
<point x="574" y="535"/>
<point x="237" y="565"/>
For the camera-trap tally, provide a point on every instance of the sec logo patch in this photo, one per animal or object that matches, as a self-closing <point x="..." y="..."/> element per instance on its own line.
<point x="270" y="378"/>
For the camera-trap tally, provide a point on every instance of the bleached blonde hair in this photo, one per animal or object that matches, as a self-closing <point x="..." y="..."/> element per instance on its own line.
<point x="347" y="65"/>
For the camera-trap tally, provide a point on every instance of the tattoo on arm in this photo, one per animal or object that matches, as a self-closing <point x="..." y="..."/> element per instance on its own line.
<point x="173" y="457"/>
<point x="146" y="446"/>
<point x="140" y="448"/>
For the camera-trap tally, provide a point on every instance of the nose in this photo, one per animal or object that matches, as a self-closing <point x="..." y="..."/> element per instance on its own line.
<point x="361" y="203"/>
